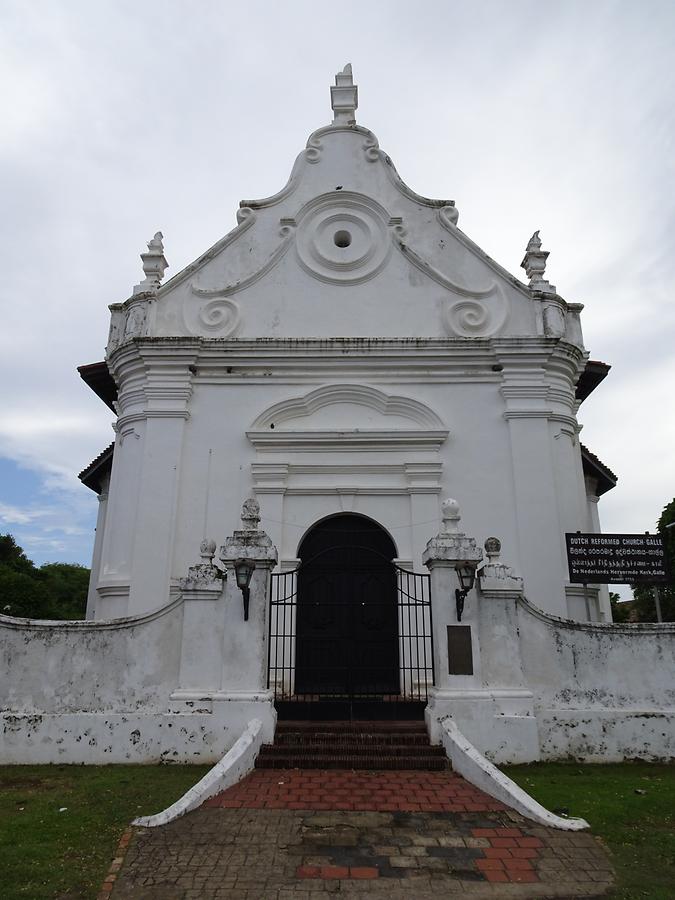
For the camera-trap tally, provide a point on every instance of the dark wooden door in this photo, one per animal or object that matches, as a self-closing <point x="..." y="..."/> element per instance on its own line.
<point x="347" y="619"/>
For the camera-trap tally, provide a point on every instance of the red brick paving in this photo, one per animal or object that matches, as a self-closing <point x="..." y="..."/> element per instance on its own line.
<point x="379" y="791"/>
<point x="506" y="858"/>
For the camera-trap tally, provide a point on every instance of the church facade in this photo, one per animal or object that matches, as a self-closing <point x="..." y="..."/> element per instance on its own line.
<point x="293" y="412"/>
<point x="346" y="349"/>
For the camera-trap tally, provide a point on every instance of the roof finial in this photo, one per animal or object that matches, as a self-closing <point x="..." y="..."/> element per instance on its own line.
<point x="344" y="97"/>
<point x="534" y="263"/>
<point x="154" y="265"/>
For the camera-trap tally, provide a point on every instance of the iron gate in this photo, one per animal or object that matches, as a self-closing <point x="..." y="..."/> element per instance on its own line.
<point x="338" y="646"/>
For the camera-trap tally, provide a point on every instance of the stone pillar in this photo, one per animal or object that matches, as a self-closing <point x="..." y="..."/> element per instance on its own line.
<point x="443" y="554"/>
<point x="456" y="647"/>
<point x="514" y="726"/>
<point x="203" y="629"/>
<point x="479" y="678"/>
<point x="245" y="644"/>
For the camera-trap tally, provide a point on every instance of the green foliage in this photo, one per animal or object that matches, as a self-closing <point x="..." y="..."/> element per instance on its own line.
<point x="621" y="611"/>
<point x="644" y="604"/>
<point x="54" y="591"/>
<point x="13" y="557"/>
<point x="67" y="585"/>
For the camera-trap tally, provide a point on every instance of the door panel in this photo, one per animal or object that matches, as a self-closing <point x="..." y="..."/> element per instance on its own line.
<point x="347" y="622"/>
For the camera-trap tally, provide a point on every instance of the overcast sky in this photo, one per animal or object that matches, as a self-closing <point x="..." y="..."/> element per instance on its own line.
<point x="122" y="118"/>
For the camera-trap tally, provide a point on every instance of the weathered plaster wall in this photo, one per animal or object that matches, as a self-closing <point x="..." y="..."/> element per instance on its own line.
<point x="86" y="692"/>
<point x="601" y="692"/>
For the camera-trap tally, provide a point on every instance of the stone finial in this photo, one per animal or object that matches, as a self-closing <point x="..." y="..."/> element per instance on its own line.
<point x="154" y="265"/>
<point x="534" y="263"/>
<point x="207" y="550"/>
<point x="451" y="544"/>
<point x="250" y="515"/>
<point x="344" y="97"/>
<point x="451" y="516"/>
<point x="204" y="575"/>
<point x="494" y="575"/>
<point x="493" y="547"/>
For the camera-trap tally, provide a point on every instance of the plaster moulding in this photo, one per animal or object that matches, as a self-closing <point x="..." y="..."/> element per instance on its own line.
<point x="343" y="238"/>
<point x="347" y="440"/>
<point x="357" y="394"/>
<point x="320" y="479"/>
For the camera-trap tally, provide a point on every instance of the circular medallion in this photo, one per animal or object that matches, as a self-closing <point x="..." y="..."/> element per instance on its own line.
<point x="343" y="241"/>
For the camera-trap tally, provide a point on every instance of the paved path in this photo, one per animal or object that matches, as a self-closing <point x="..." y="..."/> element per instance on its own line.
<point x="319" y="835"/>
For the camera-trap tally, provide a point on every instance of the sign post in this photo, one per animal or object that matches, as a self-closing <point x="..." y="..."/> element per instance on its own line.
<point x="617" y="559"/>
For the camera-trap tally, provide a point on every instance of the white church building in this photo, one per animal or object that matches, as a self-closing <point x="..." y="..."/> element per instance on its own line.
<point x="341" y="363"/>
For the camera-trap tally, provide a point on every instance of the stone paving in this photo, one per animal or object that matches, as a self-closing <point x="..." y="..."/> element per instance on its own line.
<point x="311" y="835"/>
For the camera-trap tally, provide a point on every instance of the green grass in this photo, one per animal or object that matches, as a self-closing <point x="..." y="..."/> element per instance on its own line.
<point x="638" y="829"/>
<point x="45" y="853"/>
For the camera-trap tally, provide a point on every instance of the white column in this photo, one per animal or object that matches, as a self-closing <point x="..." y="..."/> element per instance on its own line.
<point x="92" y="595"/>
<point x="167" y="391"/>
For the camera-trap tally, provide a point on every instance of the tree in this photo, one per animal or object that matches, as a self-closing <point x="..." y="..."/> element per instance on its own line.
<point x="54" y="591"/>
<point x="621" y="611"/>
<point x="12" y="556"/>
<point x="644" y="594"/>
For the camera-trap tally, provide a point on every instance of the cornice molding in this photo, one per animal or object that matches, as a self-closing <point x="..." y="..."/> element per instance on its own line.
<point x="327" y="440"/>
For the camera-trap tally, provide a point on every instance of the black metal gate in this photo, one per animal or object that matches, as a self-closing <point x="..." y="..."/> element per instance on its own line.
<point x="355" y="641"/>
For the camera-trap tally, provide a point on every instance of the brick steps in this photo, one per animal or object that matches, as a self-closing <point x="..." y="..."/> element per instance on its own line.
<point x="352" y="745"/>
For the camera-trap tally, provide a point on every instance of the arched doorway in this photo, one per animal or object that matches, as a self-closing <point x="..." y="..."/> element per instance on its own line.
<point x="347" y="617"/>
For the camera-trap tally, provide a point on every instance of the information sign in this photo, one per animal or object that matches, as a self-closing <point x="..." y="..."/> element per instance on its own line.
<point x="616" y="559"/>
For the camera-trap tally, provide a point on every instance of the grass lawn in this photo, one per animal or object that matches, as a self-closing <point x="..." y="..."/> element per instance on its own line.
<point x="49" y="853"/>
<point x="638" y="828"/>
<point x="46" y="853"/>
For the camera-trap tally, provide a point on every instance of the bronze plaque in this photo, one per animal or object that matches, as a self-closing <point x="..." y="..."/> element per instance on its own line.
<point x="460" y="656"/>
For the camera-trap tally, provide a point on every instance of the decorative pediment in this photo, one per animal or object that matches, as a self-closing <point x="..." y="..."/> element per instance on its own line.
<point x="359" y="397"/>
<point x="348" y="414"/>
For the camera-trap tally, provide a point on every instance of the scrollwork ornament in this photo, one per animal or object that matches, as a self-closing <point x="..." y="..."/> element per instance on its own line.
<point x="469" y="317"/>
<point x="220" y="316"/>
<point x="313" y="150"/>
<point x="372" y="149"/>
<point x="449" y="216"/>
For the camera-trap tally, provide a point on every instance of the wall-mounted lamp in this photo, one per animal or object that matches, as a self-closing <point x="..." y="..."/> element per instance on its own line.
<point x="243" y="570"/>
<point x="467" y="576"/>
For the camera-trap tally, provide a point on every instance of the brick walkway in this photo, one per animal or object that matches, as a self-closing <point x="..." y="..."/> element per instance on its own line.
<point x="312" y="834"/>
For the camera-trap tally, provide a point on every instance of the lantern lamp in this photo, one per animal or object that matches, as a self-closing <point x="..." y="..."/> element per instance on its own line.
<point x="467" y="576"/>
<point x="243" y="570"/>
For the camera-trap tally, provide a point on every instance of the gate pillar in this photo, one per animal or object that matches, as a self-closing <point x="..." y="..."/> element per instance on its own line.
<point x="224" y="654"/>
<point x="456" y="647"/>
<point x="246" y="638"/>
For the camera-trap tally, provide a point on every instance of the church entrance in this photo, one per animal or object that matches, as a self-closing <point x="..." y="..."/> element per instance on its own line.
<point x="349" y="635"/>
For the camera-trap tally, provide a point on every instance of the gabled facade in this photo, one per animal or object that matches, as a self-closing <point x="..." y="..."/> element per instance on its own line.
<point x="346" y="348"/>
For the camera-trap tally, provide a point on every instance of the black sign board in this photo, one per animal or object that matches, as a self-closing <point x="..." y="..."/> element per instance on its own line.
<point x="616" y="559"/>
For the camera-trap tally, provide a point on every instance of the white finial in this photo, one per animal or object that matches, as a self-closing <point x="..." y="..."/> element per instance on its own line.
<point x="534" y="263"/>
<point x="344" y="97"/>
<point x="154" y="265"/>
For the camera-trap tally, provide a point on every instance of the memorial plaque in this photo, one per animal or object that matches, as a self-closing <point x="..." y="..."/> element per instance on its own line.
<point x="616" y="559"/>
<point x="460" y="655"/>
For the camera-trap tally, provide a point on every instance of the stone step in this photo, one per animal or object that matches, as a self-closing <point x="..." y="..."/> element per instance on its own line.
<point x="352" y="745"/>
<point x="347" y="727"/>
<point x="321" y="738"/>
<point x="423" y="762"/>
<point x="337" y="749"/>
